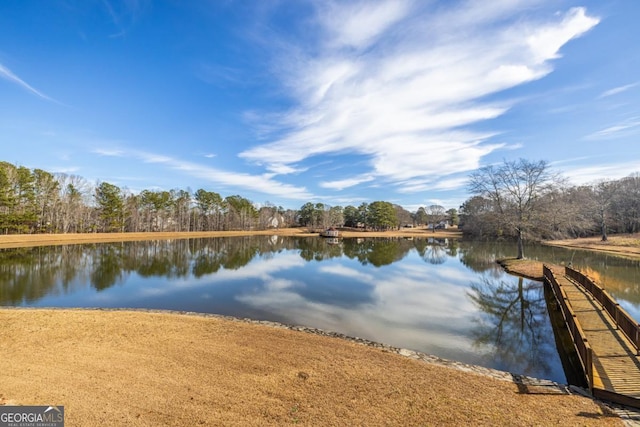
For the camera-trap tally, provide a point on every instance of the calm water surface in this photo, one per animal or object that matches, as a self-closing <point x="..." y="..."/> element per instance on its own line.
<point x="441" y="297"/>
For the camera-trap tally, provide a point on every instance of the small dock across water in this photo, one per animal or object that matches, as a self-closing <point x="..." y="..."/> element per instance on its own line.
<point x="605" y="336"/>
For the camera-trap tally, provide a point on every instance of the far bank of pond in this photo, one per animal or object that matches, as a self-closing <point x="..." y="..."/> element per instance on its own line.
<point x="625" y="245"/>
<point x="28" y="240"/>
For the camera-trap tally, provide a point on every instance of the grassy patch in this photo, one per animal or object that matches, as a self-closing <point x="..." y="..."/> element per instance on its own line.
<point x="632" y="242"/>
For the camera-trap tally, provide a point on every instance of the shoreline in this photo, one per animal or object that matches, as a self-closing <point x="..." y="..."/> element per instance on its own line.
<point x="29" y="240"/>
<point x="619" y="245"/>
<point x="623" y="245"/>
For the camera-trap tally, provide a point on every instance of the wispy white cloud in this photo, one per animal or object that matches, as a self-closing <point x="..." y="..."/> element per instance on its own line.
<point x="359" y="24"/>
<point x="65" y="169"/>
<point x="617" y="90"/>
<point x="109" y="152"/>
<point x="7" y="74"/>
<point x="346" y="183"/>
<point x="402" y="85"/>
<point x="617" y="130"/>
<point x="263" y="183"/>
<point x="545" y="41"/>
<point x="123" y="13"/>
<point x="259" y="183"/>
<point x="156" y="158"/>
<point x="417" y="185"/>
<point x="590" y="174"/>
<point x="282" y="169"/>
<point x="349" y="200"/>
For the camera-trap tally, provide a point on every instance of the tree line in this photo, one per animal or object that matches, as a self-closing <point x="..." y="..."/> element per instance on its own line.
<point x="378" y="215"/>
<point x="37" y="201"/>
<point x="523" y="199"/>
<point x="515" y="200"/>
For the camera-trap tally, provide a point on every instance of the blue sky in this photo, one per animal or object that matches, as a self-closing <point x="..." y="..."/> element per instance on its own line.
<point x="340" y="102"/>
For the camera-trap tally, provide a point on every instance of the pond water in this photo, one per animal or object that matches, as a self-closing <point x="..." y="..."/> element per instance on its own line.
<point x="443" y="297"/>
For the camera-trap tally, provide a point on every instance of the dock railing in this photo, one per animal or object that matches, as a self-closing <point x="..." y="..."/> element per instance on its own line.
<point x="577" y="334"/>
<point x="623" y="320"/>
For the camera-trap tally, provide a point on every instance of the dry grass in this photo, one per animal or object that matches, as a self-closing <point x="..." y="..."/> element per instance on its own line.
<point x="627" y="245"/>
<point x="24" y="240"/>
<point x="523" y="267"/>
<point x="150" y="369"/>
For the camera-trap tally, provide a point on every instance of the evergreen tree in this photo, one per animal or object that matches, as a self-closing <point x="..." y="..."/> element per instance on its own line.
<point x="110" y="204"/>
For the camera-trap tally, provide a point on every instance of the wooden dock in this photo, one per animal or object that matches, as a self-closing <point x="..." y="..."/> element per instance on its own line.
<point x="605" y="336"/>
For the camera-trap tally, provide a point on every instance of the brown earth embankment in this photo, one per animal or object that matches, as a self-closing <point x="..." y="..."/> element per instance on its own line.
<point x="627" y="245"/>
<point x="24" y="240"/>
<point x="149" y="369"/>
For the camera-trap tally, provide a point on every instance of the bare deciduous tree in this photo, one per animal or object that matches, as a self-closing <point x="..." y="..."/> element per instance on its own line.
<point x="604" y="194"/>
<point x="516" y="189"/>
<point x="435" y="215"/>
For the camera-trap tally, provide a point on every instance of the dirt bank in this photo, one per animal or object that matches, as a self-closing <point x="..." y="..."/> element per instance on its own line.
<point x="523" y="267"/>
<point x="24" y="240"/>
<point x="627" y="245"/>
<point x="149" y="369"/>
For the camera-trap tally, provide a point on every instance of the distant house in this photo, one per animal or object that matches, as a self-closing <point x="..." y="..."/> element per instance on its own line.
<point x="330" y="232"/>
<point x="440" y="225"/>
<point x="275" y="221"/>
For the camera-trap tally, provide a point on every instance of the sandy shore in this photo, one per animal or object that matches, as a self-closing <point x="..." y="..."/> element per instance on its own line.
<point x="151" y="369"/>
<point x="24" y="240"/>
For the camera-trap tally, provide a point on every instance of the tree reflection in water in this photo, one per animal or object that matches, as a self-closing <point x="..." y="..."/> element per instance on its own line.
<point x="107" y="266"/>
<point x="376" y="251"/>
<point x="514" y="327"/>
<point x="435" y="251"/>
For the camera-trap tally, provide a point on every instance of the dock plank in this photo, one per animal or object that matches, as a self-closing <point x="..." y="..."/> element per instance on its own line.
<point x="616" y="365"/>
